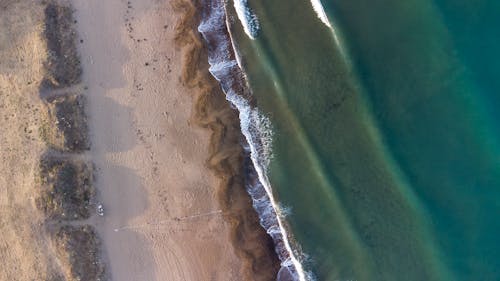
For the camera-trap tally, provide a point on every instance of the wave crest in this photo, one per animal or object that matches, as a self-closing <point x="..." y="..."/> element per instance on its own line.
<point x="247" y="17"/>
<point x="320" y="11"/>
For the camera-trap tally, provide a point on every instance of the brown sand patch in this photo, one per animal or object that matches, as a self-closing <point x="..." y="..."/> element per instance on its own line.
<point x="24" y="251"/>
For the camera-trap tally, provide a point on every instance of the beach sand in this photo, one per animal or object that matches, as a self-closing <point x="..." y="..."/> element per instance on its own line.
<point x="151" y="172"/>
<point x="164" y="218"/>
<point x="138" y="108"/>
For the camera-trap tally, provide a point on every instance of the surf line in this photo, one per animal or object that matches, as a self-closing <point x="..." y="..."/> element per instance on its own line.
<point x="163" y="222"/>
<point x="250" y="118"/>
<point x="247" y="17"/>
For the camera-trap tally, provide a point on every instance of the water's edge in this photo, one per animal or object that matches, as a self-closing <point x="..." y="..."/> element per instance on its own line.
<point x="226" y="156"/>
<point x="225" y="68"/>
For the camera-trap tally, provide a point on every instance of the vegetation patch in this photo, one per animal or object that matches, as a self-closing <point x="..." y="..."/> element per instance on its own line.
<point x="66" y="189"/>
<point x="77" y="247"/>
<point x="62" y="67"/>
<point x="66" y="124"/>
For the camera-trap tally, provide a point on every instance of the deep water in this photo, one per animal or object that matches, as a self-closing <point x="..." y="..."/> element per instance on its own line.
<point x="386" y="144"/>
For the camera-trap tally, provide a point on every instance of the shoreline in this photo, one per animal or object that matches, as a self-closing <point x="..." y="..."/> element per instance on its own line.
<point x="229" y="160"/>
<point x="226" y="68"/>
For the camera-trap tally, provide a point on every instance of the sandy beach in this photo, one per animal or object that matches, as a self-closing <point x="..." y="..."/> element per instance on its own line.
<point x="117" y="143"/>
<point x="151" y="172"/>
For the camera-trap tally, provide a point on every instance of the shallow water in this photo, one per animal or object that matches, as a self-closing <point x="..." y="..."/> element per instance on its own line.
<point x="385" y="144"/>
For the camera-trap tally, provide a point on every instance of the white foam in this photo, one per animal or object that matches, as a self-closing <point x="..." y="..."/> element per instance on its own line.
<point x="247" y="17"/>
<point x="211" y="23"/>
<point x="320" y="11"/>
<point x="221" y="66"/>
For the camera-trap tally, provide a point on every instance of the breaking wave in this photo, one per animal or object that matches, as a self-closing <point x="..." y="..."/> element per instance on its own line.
<point x="320" y="11"/>
<point x="225" y="67"/>
<point x="247" y="18"/>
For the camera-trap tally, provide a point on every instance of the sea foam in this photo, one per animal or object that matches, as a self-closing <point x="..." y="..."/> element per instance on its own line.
<point x="320" y="11"/>
<point x="225" y="66"/>
<point x="247" y="18"/>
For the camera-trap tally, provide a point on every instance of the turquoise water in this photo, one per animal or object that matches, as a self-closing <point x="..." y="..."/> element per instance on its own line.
<point x="386" y="144"/>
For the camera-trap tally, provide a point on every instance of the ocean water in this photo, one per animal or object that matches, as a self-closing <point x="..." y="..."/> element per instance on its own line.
<point x="383" y="119"/>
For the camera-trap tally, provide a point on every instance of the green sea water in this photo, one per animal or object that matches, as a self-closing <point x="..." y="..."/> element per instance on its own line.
<point x="386" y="138"/>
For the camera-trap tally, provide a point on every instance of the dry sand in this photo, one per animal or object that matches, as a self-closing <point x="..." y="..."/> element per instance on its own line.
<point x="24" y="253"/>
<point x="33" y="200"/>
